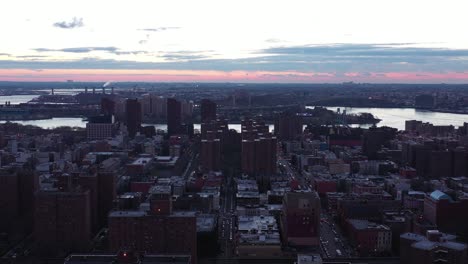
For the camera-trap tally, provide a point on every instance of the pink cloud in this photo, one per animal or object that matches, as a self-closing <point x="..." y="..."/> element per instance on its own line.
<point x="223" y="76"/>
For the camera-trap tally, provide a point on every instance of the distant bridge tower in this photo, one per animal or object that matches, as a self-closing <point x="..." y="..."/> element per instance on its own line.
<point x="52" y="91"/>
<point x="86" y="90"/>
<point x="94" y="90"/>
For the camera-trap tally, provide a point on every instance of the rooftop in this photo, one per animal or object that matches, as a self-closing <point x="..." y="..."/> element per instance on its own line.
<point x="443" y="240"/>
<point x="206" y="223"/>
<point x="183" y="214"/>
<point x="142" y="161"/>
<point x="257" y="224"/>
<point x="308" y="259"/>
<point x="160" y="189"/>
<point x="364" y="225"/>
<point x="127" y="213"/>
<point x="438" y="195"/>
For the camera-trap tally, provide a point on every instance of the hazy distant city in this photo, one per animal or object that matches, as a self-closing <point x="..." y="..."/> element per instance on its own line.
<point x="232" y="172"/>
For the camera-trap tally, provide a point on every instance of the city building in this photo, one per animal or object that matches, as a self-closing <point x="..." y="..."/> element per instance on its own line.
<point x="258" y="236"/>
<point x="99" y="127"/>
<point x="369" y="238"/>
<point x="288" y="126"/>
<point x="424" y="101"/>
<point x="155" y="230"/>
<point x="127" y="257"/>
<point x="208" y="110"/>
<point x="186" y="109"/>
<point x="57" y="216"/>
<point x="107" y="106"/>
<point x="447" y="214"/>
<point x="133" y="116"/>
<point x="301" y="219"/>
<point x="174" y="116"/>
<point x="365" y="207"/>
<point x="259" y="152"/>
<point x="434" y="247"/>
<point x="154" y="106"/>
<point x="374" y="139"/>
<point x="210" y="154"/>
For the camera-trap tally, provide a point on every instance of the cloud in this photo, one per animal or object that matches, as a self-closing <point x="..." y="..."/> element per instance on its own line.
<point x="360" y="50"/>
<point x="79" y="49"/>
<point x="332" y="58"/>
<point x="31" y="56"/>
<point x="186" y="55"/>
<point x="131" y="52"/>
<point x="75" y="23"/>
<point x="158" y="29"/>
<point x="112" y="50"/>
<point x="274" y="40"/>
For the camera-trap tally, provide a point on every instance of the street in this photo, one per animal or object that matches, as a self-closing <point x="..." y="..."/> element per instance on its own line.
<point x="227" y="218"/>
<point x="331" y="240"/>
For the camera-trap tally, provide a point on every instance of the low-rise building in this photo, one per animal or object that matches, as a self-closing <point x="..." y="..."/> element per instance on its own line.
<point x="435" y="247"/>
<point x="369" y="238"/>
<point x="258" y="236"/>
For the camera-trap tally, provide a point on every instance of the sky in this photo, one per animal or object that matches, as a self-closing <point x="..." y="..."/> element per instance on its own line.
<point x="310" y="41"/>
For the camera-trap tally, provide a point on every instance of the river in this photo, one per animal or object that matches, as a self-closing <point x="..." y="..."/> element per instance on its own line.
<point x="392" y="117"/>
<point x="17" y="99"/>
<point x="396" y="117"/>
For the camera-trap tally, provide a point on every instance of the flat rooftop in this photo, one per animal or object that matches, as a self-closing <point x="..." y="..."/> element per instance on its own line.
<point x="127" y="214"/>
<point x="160" y="189"/>
<point x="142" y="161"/>
<point x="206" y="223"/>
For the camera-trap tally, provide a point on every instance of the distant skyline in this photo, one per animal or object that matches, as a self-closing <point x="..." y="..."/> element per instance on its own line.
<point x="235" y="41"/>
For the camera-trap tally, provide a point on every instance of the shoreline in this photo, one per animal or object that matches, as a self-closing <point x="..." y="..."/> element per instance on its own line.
<point x="447" y="111"/>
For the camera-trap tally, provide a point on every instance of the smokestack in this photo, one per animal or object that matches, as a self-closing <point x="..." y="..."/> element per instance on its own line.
<point x="94" y="90"/>
<point x="103" y="90"/>
<point x="52" y="91"/>
<point x="86" y="90"/>
<point x="112" y="90"/>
